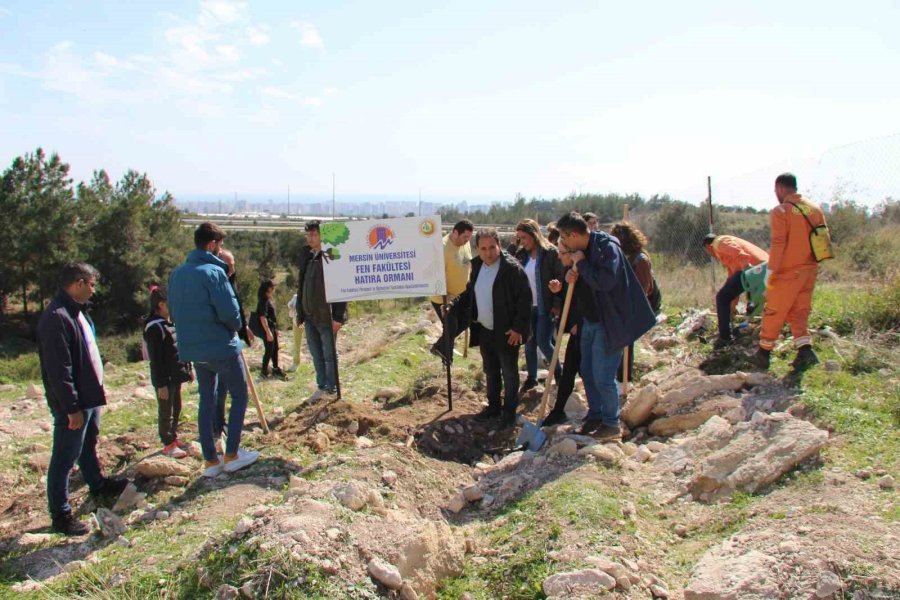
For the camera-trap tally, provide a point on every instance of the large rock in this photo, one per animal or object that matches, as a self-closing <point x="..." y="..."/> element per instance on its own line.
<point x="759" y="453"/>
<point x="711" y="436"/>
<point x="424" y="552"/>
<point x="129" y="499"/>
<point x="111" y="526"/>
<point x="587" y="582"/>
<point x="602" y="453"/>
<point x="162" y="466"/>
<point x="385" y="573"/>
<point x="353" y="495"/>
<point x="33" y="392"/>
<point x="721" y="575"/>
<point x="689" y="389"/>
<point x="640" y="406"/>
<point x="724" y="406"/>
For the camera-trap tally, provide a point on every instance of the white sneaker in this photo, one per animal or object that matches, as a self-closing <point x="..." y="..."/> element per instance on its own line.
<point x="214" y="470"/>
<point x="244" y="458"/>
<point x="292" y="368"/>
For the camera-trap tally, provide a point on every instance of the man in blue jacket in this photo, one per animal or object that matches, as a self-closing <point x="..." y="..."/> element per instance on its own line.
<point x="72" y="371"/>
<point x="207" y="318"/>
<point x="615" y="313"/>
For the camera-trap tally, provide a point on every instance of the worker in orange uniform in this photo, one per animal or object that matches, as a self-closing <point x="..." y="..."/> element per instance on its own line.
<point x="736" y="255"/>
<point x="792" y="273"/>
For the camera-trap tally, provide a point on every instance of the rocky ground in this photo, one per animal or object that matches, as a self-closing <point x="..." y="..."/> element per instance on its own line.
<point x="720" y="490"/>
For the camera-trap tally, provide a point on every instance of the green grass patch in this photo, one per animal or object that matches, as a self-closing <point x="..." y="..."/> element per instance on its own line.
<point x="849" y="310"/>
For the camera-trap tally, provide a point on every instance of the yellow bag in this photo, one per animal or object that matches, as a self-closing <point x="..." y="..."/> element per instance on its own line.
<point x="819" y="238"/>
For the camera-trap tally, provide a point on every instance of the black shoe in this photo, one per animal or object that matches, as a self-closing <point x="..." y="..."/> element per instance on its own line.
<point x="279" y="374"/>
<point x="761" y="359"/>
<point x="437" y="351"/>
<point x="554" y="418"/>
<point x="805" y="358"/>
<point x="608" y="433"/>
<point x="508" y="419"/>
<point x="590" y="426"/>
<point x="528" y="385"/>
<point x="491" y="412"/>
<point x="110" y="488"/>
<point x="722" y="343"/>
<point x="67" y="524"/>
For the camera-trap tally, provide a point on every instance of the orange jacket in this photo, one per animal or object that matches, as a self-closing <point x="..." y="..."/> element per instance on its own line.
<point x="790" y="234"/>
<point x="737" y="254"/>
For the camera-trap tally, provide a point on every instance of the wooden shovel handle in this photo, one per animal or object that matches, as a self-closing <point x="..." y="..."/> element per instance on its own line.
<point x="555" y="359"/>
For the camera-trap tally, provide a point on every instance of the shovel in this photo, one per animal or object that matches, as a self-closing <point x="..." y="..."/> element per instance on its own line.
<point x="531" y="437"/>
<point x="254" y="395"/>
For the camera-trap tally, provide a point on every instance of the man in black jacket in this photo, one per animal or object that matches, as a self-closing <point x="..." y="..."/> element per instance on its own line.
<point x="72" y="371"/>
<point x="500" y="297"/>
<point x="321" y="320"/>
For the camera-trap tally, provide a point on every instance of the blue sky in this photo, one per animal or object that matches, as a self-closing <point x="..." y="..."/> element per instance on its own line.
<point x="460" y="100"/>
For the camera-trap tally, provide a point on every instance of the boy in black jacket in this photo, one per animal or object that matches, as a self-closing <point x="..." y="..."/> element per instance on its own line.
<point x="167" y="373"/>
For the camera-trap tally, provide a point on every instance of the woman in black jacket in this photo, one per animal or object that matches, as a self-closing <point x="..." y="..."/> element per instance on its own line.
<point x="541" y="263"/>
<point x="167" y="373"/>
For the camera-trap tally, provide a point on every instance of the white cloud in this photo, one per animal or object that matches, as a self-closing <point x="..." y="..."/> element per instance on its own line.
<point x="309" y="34"/>
<point x="109" y="62"/>
<point x="276" y="92"/>
<point x="258" y="35"/>
<point x="222" y="10"/>
<point x="5" y="12"/>
<point x="265" y="116"/>
<point x="272" y="91"/>
<point x="228" y="53"/>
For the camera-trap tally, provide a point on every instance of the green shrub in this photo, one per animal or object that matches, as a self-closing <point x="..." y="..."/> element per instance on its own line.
<point x="23" y="368"/>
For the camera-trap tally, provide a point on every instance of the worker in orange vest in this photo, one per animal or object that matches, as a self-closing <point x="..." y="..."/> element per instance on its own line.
<point x="792" y="273"/>
<point x="735" y="255"/>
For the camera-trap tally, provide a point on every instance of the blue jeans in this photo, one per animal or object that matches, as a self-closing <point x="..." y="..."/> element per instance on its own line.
<point x="219" y="422"/>
<point x="213" y="375"/>
<point x="71" y="446"/>
<point x="541" y="337"/>
<point x="320" y="340"/>
<point x="598" y="370"/>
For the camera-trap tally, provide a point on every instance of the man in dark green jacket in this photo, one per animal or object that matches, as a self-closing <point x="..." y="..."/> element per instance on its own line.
<point x="500" y="297"/>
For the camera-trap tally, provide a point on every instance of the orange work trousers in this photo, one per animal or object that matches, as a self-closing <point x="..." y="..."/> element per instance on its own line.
<point x="788" y="298"/>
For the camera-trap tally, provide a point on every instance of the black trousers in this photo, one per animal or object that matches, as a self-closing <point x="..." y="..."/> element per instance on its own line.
<point x="169" y="414"/>
<point x="566" y="382"/>
<point x="271" y="353"/>
<point x="501" y="371"/>
<point x="725" y="296"/>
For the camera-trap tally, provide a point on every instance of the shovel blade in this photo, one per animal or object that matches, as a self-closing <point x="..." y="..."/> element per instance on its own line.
<point x="531" y="437"/>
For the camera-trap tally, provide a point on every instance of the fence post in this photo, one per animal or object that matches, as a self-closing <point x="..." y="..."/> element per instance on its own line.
<point x="625" y="212"/>
<point x="712" y="261"/>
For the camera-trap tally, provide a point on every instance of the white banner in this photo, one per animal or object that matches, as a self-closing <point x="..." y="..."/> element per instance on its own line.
<point x="383" y="258"/>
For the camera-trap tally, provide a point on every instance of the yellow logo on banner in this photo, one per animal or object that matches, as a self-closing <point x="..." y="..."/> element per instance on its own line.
<point x="427" y="227"/>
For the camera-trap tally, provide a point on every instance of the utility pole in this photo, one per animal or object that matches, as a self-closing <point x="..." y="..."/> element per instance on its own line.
<point x="333" y="211"/>
<point x="289" y="201"/>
